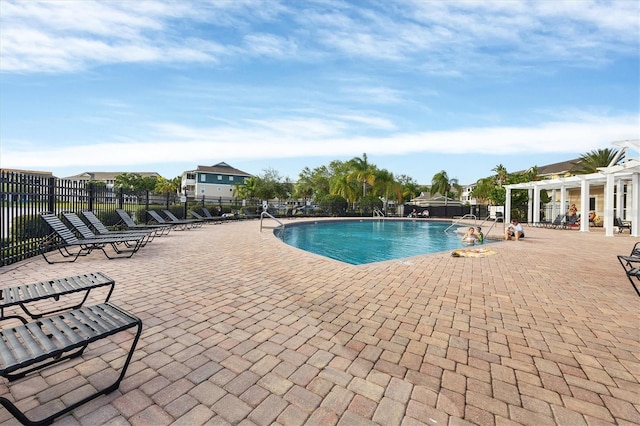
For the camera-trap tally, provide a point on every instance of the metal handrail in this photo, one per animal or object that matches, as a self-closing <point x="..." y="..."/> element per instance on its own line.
<point x="378" y="213"/>
<point x="466" y="216"/>
<point x="268" y="215"/>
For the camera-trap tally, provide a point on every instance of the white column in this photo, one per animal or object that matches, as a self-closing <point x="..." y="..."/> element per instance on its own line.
<point x="507" y="206"/>
<point x="634" y="192"/>
<point x="563" y="201"/>
<point x="536" y="204"/>
<point x="608" y="206"/>
<point x="584" y="206"/>
<point x="619" y="207"/>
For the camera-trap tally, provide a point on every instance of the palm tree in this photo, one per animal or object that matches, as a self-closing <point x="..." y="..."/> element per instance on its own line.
<point x="441" y="184"/>
<point x="591" y="161"/>
<point x="343" y="186"/>
<point x="362" y="171"/>
<point x="386" y="185"/>
<point x="501" y="174"/>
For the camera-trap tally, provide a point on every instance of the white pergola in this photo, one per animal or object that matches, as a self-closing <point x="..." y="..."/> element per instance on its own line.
<point x="612" y="178"/>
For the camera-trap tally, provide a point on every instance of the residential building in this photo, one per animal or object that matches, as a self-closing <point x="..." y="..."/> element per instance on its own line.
<point x="213" y="182"/>
<point x="109" y="178"/>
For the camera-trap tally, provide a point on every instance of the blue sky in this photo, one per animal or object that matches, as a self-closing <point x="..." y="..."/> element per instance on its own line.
<point x="419" y="86"/>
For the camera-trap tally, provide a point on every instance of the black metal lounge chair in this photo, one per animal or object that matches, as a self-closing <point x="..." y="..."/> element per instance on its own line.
<point x="195" y="223"/>
<point x="631" y="266"/>
<point x="102" y="230"/>
<point x="622" y="225"/>
<point x="558" y="223"/>
<point x="48" y="341"/>
<point x="63" y="239"/>
<point x="180" y="226"/>
<point x="81" y="228"/>
<point x="214" y="220"/>
<point x="131" y="224"/>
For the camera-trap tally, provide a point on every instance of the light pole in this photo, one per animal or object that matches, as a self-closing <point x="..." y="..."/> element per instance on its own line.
<point x="184" y="211"/>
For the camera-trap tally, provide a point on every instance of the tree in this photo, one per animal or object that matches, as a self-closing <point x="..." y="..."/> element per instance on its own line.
<point x="386" y="186"/>
<point x="343" y="186"/>
<point x="501" y="174"/>
<point x="589" y="162"/>
<point x="361" y="171"/>
<point x="410" y="188"/>
<point x="166" y="187"/>
<point x="442" y="185"/>
<point x="134" y="183"/>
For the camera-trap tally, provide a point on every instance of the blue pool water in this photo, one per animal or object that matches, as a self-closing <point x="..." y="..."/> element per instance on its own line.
<point x="366" y="241"/>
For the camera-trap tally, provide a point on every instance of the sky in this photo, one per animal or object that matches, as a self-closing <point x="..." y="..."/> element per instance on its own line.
<point x="418" y="86"/>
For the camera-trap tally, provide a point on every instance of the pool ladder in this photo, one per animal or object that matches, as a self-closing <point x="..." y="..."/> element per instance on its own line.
<point x="269" y="216"/>
<point x="378" y="213"/>
<point x="472" y="216"/>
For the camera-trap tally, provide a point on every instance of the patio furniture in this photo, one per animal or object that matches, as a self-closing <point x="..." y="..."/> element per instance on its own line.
<point x="63" y="239"/>
<point x="27" y="294"/>
<point x="622" y="225"/>
<point x="214" y="220"/>
<point x="155" y="216"/>
<point x="85" y="232"/>
<point x="195" y="223"/>
<point x="631" y="266"/>
<point x="102" y="230"/>
<point x="131" y="224"/>
<point x="47" y="341"/>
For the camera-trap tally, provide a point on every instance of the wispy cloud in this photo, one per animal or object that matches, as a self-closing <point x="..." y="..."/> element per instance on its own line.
<point x="68" y="36"/>
<point x="312" y="138"/>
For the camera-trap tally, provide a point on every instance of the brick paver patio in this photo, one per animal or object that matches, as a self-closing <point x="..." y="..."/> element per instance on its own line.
<point x="242" y="329"/>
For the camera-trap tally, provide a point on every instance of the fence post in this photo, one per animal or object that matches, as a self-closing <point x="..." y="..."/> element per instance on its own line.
<point x="51" y="198"/>
<point x="121" y="197"/>
<point x="91" y="195"/>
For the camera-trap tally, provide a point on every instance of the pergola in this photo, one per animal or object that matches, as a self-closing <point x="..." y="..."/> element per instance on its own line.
<point x="613" y="178"/>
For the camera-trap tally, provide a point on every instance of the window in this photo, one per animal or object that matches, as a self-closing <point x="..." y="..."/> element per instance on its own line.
<point x="219" y="177"/>
<point x="203" y="178"/>
<point x="230" y="178"/>
<point x="191" y="176"/>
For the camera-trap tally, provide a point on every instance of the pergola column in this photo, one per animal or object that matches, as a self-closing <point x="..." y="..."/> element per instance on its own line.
<point x="608" y="205"/>
<point x="635" y="204"/>
<point x="584" y="205"/>
<point x="536" y="204"/>
<point x="507" y="206"/>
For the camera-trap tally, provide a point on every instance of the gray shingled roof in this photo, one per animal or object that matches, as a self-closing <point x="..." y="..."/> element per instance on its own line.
<point x="222" y="168"/>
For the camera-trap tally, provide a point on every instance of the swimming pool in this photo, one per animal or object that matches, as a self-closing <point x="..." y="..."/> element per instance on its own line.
<point x="366" y="241"/>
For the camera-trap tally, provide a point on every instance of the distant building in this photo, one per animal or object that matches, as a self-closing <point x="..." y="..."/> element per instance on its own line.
<point x="108" y="178"/>
<point x="213" y="182"/>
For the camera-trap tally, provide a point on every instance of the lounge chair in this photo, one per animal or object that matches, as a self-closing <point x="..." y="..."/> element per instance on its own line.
<point x="198" y="216"/>
<point x="85" y="232"/>
<point x="208" y="215"/>
<point x="631" y="266"/>
<point x="63" y="239"/>
<point x="195" y="223"/>
<point x="179" y="225"/>
<point x="558" y="223"/>
<point x="622" y="225"/>
<point x="102" y="230"/>
<point x="131" y="224"/>
<point x="635" y="251"/>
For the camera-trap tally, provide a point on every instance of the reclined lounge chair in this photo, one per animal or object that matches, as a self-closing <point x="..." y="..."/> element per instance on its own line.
<point x="622" y="225"/>
<point x="195" y="223"/>
<point x="102" y="230"/>
<point x="198" y="216"/>
<point x="85" y="232"/>
<point x="63" y="239"/>
<point x="132" y="225"/>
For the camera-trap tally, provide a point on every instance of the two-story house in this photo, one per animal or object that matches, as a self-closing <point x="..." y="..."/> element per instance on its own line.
<point x="213" y="182"/>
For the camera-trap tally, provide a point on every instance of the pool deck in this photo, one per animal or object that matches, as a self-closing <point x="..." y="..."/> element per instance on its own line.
<point x="240" y="328"/>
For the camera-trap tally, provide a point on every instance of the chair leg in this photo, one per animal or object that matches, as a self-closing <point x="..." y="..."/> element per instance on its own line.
<point x="22" y="418"/>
